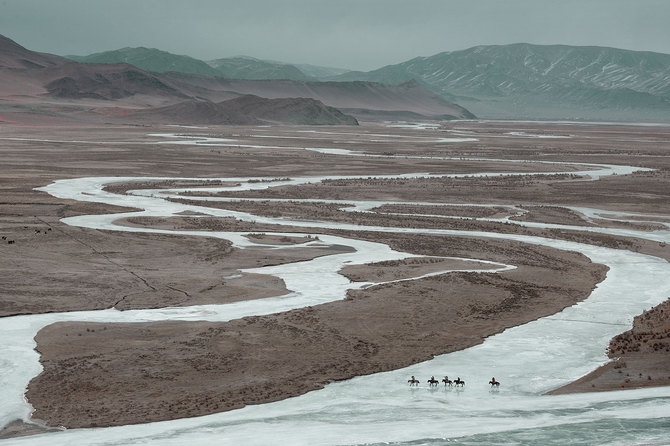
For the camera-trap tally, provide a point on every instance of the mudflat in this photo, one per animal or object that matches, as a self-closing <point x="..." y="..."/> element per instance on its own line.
<point x="104" y="374"/>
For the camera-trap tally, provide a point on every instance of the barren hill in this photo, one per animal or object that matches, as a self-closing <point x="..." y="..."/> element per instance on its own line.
<point x="13" y="55"/>
<point x="34" y="86"/>
<point x="371" y="100"/>
<point x="100" y="81"/>
<point x="247" y="110"/>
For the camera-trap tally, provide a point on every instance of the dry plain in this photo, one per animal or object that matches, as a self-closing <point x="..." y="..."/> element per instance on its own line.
<point x="110" y="374"/>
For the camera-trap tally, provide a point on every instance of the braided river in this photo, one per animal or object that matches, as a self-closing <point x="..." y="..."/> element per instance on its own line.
<point x="378" y="409"/>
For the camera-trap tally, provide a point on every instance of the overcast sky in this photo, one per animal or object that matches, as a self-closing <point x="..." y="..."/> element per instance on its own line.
<point x="353" y="34"/>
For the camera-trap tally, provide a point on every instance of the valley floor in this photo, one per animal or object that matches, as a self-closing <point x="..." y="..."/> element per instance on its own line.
<point x="107" y="373"/>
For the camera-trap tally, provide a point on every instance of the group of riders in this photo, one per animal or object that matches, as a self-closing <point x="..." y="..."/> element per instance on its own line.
<point x="458" y="382"/>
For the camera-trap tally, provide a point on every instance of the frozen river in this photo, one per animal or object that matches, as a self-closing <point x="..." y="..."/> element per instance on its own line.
<point x="382" y="409"/>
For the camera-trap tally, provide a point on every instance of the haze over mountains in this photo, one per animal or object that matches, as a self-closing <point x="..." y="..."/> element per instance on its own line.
<point x="38" y="87"/>
<point x="241" y="67"/>
<point x="525" y="81"/>
<point x="518" y="81"/>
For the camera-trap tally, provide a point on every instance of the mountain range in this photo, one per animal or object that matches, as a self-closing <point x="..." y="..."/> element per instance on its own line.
<point x="43" y="87"/>
<point x="241" y="67"/>
<point x="520" y="81"/>
<point x="524" y="81"/>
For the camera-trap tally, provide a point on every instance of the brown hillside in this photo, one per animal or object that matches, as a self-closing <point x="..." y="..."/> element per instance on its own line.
<point x="13" y="55"/>
<point x="75" y="80"/>
<point x="36" y="87"/>
<point x="247" y="110"/>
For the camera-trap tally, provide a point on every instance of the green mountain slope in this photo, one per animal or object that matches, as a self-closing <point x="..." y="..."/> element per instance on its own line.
<point x="547" y="82"/>
<point x="255" y="69"/>
<point x="150" y="59"/>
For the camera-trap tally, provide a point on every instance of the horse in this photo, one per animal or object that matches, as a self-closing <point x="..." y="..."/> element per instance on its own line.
<point x="447" y="381"/>
<point x="433" y="382"/>
<point x="413" y="381"/>
<point x="459" y="382"/>
<point x="494" y="383"/>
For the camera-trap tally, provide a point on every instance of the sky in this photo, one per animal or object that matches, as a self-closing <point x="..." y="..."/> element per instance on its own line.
<point x="352" y="34"/>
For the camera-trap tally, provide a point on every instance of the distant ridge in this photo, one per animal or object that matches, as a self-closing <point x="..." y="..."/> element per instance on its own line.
<point x="247" y="110"/>
<point x="369" y="100"/>
<point x="150" y="59"/>
<point x="37" y="87"/>
<point x="255" y="69"/>
<point x="517" y="81"/>
<point x="241" y="67"/>
<point x="523" y="81"/>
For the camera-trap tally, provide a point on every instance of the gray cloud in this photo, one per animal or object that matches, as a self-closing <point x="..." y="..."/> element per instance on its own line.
<point x="356" y="34"/>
